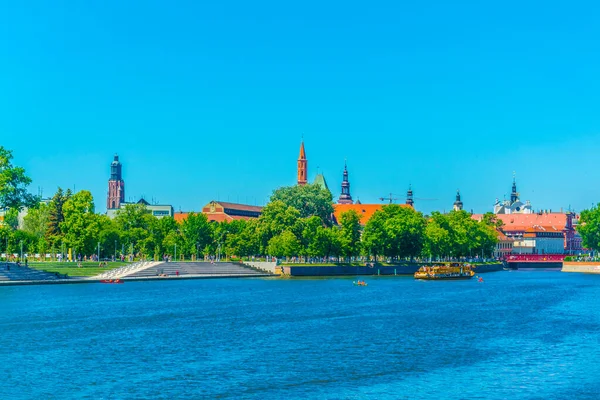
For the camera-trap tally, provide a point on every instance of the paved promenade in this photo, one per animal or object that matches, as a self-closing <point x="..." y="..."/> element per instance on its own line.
<point x="155" y="271"/>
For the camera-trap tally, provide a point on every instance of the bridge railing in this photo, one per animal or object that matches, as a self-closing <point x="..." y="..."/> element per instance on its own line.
<point x="536" y="258"/>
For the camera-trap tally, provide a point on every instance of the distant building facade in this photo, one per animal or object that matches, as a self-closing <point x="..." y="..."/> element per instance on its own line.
<point x="540" y="233"/>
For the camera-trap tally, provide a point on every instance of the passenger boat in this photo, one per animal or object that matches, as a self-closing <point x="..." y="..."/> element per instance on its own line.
<point x="449" y="271"/>
<point x="111" y="281"/>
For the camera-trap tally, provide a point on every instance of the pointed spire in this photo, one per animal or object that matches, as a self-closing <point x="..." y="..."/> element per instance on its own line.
<point x="302" y="152"/>
<point x="345" y="197"/>
<point x="514" y="196"/>
<point x="409" y="196"/>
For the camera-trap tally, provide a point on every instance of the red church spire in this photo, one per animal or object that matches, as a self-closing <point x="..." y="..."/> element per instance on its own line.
<point x="302" y="166"/>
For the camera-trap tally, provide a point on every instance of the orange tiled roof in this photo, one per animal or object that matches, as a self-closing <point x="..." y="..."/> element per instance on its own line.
<point x="522" y="222"/>
<point x="365" y="211"/>
<point x="180" y="216"/>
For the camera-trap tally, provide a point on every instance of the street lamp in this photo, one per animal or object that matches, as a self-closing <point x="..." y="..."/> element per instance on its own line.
<point x="98" y="251"/>
<point x="115" y="259"/>
<point x="197" y="245"/>
<point x="175" y="253"/>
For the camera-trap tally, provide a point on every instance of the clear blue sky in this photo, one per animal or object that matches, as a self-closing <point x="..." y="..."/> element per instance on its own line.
<point x="209" y="100"/>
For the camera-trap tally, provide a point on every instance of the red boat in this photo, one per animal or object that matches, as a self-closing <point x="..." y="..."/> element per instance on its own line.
<point x="111" y="281"/>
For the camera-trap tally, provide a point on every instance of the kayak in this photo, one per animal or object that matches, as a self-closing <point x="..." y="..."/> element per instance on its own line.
<point x="111" y="281"/>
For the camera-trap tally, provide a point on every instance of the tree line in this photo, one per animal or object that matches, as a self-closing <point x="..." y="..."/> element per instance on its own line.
<point x="297" y="222"/>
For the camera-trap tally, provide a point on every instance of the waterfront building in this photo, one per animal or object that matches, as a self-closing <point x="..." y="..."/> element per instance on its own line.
<point x="539" y="233"/>
<point x="504" y="247"/>
<point x="345" y="197"/>
<point x="458" y="204"/>
<point x="116" y="186"/>
<point x="514" y="205"/>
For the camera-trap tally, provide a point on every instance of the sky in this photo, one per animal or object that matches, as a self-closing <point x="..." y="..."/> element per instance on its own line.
<point x="210" y="100"/>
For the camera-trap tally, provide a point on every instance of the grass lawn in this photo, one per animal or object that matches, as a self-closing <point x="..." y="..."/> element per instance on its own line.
<point x="71" y="269"/>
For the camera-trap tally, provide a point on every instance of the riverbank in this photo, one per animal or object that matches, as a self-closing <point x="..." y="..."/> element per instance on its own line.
<point x="369" y="270"/>
<point x="581" y="267"/>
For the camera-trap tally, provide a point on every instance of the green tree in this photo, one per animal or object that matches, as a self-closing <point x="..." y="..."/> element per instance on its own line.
<point x="491" y="219"/>
<point x="81" y="226"/>
<point x="349" y="235"/>
<point x="36" y="221"/>
<point x="56" y="215"/>
<point x="286" y="244"/>
<point x="13" y="184"/>
<point x="395" y="231"/>
<point x="438" y="242"/>
<point x="310" y="226"/>
<point x="276" y="218"/>
<point x="243" y="240"/>
<point x="137" y="227"/>
<point x="309" y="200"/>
<point x="589" y="228"/>
<point x="11" y="218"/>
<point x="197" y="233"/>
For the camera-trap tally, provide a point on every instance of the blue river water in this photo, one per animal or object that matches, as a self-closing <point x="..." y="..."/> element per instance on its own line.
<point x="517" y="335"/>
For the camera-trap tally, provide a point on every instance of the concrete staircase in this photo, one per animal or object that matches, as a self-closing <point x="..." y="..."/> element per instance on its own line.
<point x="125" y="271"/>
<point x="197" y="269"/>
<point x="23" y="273"/>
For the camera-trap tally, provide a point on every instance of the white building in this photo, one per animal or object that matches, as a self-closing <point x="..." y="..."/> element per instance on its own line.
<point x="157" y="210"/>
<point x="514" y="205"/>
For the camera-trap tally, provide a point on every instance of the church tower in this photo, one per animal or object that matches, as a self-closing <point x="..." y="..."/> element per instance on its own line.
<point x="345" y="197"/>
<point x="302" y="166"/>
<point x="409" y="197"/>
<point x="514" y="196"/>
<point x="458" y="204"/>
<point x="116" y="186"/>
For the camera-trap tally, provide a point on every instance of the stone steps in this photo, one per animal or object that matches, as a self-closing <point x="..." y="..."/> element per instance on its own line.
<point x="23" y="273"/>
<point x="195" y="268"/>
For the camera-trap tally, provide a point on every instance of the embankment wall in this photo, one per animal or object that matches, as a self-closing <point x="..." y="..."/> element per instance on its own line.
<point x="582" y="267"/>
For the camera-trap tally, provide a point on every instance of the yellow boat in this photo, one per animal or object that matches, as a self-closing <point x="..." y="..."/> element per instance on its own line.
<point x="448" y="271"/>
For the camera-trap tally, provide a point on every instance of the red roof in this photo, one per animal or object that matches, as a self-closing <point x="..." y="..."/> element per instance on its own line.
<point x="522" y="222"/>
<point x="180" y="216"/>
<point x="365" y="211"/>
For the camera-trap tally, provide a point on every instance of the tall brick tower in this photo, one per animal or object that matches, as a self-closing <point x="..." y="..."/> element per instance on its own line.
<point x="116" y="186"/>
<point x="302" y="166"/>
